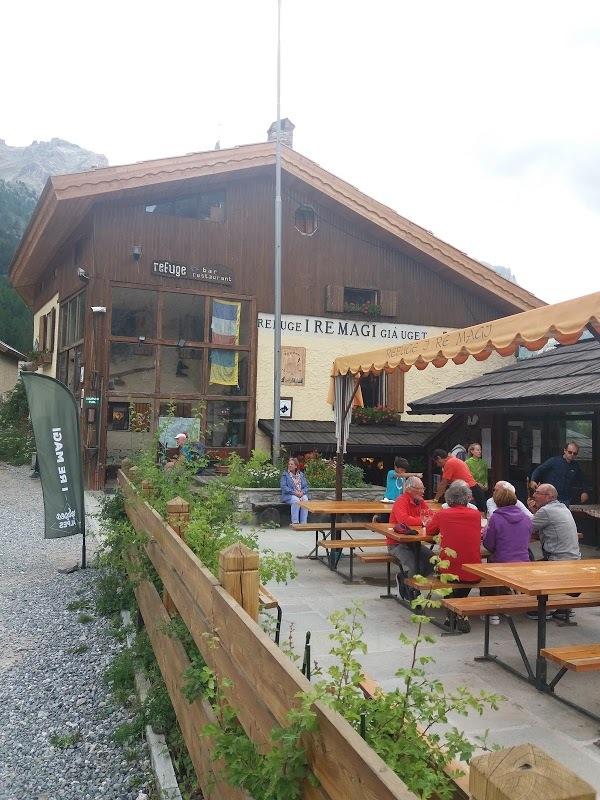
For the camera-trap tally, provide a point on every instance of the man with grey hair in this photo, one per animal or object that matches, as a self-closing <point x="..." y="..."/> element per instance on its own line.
<point x="491" y="505"/>
<point x="413" y="557"/>
<point x="554" y="524"/>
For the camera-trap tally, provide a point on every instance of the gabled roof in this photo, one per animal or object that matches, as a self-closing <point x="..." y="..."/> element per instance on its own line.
<point x="568" y="377"/>
<point x="306" y="435"/>
<point x="67" y="199"/>
<point x="9" y="351"/>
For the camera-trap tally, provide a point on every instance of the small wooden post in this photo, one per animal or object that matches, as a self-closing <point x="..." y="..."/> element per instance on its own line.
<point x="147" y="488"/>
<point x="238" y="574"/>
<point x="132" y="474"/>
<point x="524" y="772"/>
<point x="178" y="517"/>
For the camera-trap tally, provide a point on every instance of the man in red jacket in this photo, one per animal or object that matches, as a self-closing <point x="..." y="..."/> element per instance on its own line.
<point x="413" y="557"/>
<point x="453" y="469"/>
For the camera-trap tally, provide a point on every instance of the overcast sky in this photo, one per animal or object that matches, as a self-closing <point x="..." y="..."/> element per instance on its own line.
<point x="478" y="120"/>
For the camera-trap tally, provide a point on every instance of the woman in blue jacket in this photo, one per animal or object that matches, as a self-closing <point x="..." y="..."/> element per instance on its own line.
<point x="294" y="489"/>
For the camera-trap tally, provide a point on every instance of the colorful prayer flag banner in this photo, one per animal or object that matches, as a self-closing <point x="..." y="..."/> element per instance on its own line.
<point x="225" y="329"/>
<point x="225" y="323"/>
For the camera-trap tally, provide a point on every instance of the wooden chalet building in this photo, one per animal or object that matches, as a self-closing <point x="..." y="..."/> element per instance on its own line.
<point x="152" y="285"/>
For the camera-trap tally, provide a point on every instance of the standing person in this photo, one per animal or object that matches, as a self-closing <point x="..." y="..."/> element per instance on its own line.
<point x="395" y="479"/>
<point x="506" y="536"/>
<point x="413" y="557"/>
<point x="460" y="531"/>
<point x="454" y="469"/>
<point x="294" y="490"/>
<point x="555" y="526"/>
<point x="563" y="473"/>
<point x="477" y="466"/>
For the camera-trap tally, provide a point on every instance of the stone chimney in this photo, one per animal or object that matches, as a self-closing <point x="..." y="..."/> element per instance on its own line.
<point x="287" y="132"/>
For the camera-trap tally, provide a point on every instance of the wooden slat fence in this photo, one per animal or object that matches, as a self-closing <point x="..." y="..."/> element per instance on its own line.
<point x="265" y="684"/>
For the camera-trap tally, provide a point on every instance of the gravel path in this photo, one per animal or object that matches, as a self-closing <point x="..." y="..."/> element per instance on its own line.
<point x="51" y="666"/>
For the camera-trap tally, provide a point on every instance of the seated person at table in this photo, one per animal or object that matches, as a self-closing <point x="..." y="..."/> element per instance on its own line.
<point x="413" y="557"/>
<point x="555" y="526"/>
<point x="294" y="490"/>
<point x="454" y="469"/>
<point x="460" y="530"/>
<point x="491" y="503"/>
<point x="506" y="536"/>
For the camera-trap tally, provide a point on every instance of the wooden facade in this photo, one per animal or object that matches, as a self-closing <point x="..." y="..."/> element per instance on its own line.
<point x="97" y="236"/>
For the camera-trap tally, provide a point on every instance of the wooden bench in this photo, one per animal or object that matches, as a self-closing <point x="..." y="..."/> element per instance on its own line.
<point x="515" y="603"/>
<point x="270" y="513"/>
<point x="578" y="658"/>
<point x="325" y="527"/>
<point x="267" y="600"/>
<point x="435" y="584"/>
<point x="381" y="558"/>
<point x="346" y="544"/>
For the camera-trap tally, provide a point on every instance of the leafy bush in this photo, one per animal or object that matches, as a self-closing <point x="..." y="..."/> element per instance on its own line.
<point x="16" y="435"/>
<point x="320" y="473"/>
<point x="257" y="472"/>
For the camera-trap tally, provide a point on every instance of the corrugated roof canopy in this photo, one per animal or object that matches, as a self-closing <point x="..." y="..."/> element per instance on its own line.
<point x="564" y="322"/>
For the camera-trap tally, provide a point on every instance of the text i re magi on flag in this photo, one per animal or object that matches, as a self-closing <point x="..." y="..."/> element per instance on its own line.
<point x="55" y="421"/>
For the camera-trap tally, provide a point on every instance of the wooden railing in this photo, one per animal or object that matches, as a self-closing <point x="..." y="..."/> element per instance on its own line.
<point x="264" y="682"/>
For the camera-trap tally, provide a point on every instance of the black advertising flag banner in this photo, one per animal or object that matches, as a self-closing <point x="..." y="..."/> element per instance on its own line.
<point x="55" y="421"/>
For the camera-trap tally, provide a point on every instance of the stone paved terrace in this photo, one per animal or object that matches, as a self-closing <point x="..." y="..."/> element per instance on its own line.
<point x="526" y="716"/>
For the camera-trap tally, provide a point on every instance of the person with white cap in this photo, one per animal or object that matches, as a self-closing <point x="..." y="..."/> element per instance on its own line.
<point x="183" y="451"/>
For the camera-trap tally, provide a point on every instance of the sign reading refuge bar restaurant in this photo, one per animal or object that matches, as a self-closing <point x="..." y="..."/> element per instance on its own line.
<point x="175" y="269"/>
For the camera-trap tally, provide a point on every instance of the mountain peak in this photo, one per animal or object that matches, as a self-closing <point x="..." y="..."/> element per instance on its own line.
<point x="36" y="162"/>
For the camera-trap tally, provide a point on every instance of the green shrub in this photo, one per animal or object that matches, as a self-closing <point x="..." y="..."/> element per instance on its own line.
<point x="16" y="435"/>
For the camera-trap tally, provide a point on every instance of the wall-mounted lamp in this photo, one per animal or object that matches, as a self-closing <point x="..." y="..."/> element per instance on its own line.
<point x="142" y="339"/>
<point x="181" y="343"/>
<point x="137" y="251"/>
<point x="82" y="275"/>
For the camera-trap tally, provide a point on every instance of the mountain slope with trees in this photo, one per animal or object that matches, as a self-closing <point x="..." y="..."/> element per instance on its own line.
<point x="23" y="174"/>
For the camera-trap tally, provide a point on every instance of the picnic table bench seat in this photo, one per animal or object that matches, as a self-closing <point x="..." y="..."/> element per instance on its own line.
<point x="381" y="558"/>
<point x="579" y="657"/>
<point x="268" y="600"/>
<point x="351" y="545"/>
<point x="325" y="526"/>
<point x="516" y="603"/>
<point x="434" y="584"/>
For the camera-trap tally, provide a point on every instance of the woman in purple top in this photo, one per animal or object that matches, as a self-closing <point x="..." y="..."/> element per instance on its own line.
<point x="506" y="536"/>
<point x="508" y="531"/>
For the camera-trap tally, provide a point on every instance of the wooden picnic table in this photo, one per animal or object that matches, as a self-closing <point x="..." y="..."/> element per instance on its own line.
<point x="335" y="508"/>
<point x="540" y="579"/>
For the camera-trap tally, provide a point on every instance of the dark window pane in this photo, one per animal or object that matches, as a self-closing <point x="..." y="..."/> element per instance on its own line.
<point x="208" y="206"/>
<point x="226" y="423"/>
<point x="181" y="370"/>
<point x="183" y="317"/>
<point x="133" y="312"/>
<point x="132" y="368"/>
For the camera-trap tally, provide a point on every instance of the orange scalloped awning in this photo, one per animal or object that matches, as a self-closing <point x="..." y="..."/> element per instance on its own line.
<point x="564" y="322"/>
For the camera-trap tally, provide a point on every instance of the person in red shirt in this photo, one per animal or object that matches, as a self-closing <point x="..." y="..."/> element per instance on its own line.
<point x="459" y="528"/>
<point x="413" y="557"/>
<point x="453" y="469"/>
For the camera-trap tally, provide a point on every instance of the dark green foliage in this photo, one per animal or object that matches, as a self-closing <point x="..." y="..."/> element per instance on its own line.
<point x="16" y="207"/>
<point x="16" y="435"/>
<point x="16" y="320"/>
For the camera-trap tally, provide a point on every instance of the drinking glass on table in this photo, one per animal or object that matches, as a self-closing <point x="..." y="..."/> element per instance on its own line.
<point x="426" y="515"/>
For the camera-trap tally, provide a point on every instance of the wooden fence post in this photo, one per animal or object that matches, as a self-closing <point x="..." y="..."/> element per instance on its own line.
<point x="132" y="474"/>
<point x="178" y="517"/>
<point x="524" y="772"/>
<point x="147" y="488"/>
<point x="238" y="575"/>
